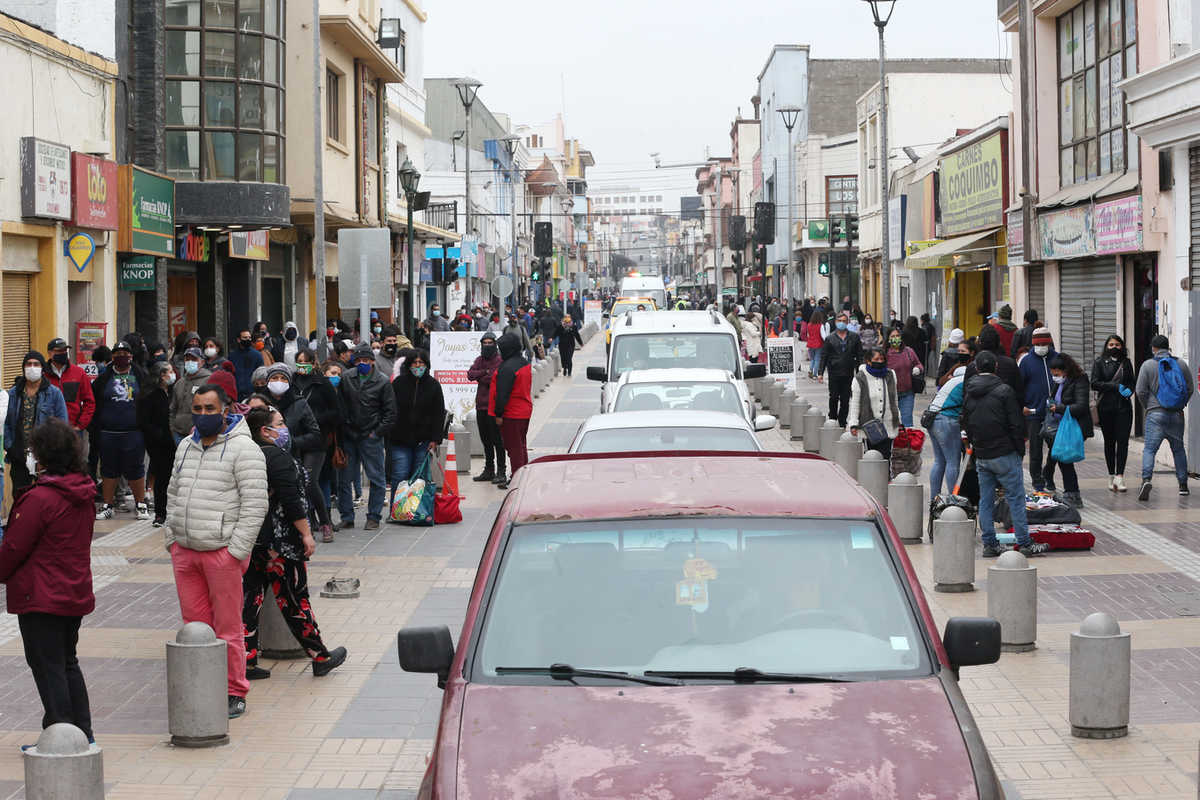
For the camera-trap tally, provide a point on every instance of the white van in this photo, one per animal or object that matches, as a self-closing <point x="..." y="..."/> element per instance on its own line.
<point x="645" y="286"/>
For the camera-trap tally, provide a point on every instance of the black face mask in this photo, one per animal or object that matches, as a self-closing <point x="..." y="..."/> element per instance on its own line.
<point x="1115" y="352"/>
<point x="963" y="358"/>
<point x="244" y="344"/>
<point x="390" y="349"/>
<point x="488" y="351"/>
<point x="59" y="358"/>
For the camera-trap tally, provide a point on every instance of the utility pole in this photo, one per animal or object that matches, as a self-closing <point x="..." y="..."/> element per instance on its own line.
<point x="319" y="193"/>
<point x="885" y="263"/>
<point x="790" y="115"/>
<point x="467" y="88"/>
<point x="717" y="253"/>
<point x="1026" y="191"/>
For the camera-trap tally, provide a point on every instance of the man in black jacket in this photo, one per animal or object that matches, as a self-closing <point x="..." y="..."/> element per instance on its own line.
<point x="1006" y="368"/>
<point x="841" y="354"/>
<point x="992" y="420"/>
<point x="364" y="441"/>
<point x="1024" y="337"/>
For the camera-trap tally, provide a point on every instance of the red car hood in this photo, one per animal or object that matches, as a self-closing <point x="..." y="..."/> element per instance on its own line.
<point x="870" y="740"/>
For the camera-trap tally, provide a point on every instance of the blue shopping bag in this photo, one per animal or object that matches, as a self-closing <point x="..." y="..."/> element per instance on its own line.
<point x="1068" y="441"/>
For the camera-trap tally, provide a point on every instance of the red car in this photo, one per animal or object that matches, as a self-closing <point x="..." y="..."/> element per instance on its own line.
<point x="728" y="625"/>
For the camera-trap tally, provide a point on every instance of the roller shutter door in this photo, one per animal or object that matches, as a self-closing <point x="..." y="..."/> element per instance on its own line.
<point x="1088" y="307"/>
<point x="15" y="327"/>
<point x="1194" y="182"/>
<point x="1036" y="274"/>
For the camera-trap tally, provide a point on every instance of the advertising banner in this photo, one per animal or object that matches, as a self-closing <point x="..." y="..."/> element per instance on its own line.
<point x="1068" y="233"/>
<point x="94" y="193"/>
<point x="136" y="274"/>
<point x="782" y="358"/>
<point x="971" y="187"/>
<point x="45" y="179"/>
<point x="146" y="212"/>
<point x="254" y="245"/>
<point x="1119" y="225"/>
<point x="89" y="336"/>
<point x="1016" y="238"/>
<point x="450" y="356"/>
<point x="592" y="312"/>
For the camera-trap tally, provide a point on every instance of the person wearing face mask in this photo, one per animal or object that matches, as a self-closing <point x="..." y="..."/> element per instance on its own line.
<point x="245" y="360"/>
<point x="518" y="329"/>
<point x="841" y="355"/>
<point x="122" y="446"/>
<point x="214" y="353"/>
<point x="437" y="321"/>
<point x="373" y="414"/>
<point x="1114" y="382"/>
<point x="868" y="333"/>
<point x="189" y="378"/>
<point x="1035" y="372"/>
<point x="568" y="338"/>
<point x="1070" y="393"/>
<point x="347" y="405"/>
<point x="154" y="419"/>
<point x="183" y="342"/>
<point x="74" y="384"/>
<point x="510" y="402"/>
<point x="392" y="342"/>
<point x="482" y="370"/>
<point x="284" y="347"/>
<point x="1165" y="386"/>
<point x="906" y="365"/>
<point x="495" y="325"/>
<point x="420" y="418"/>
<point x="874" y="397"/>
<point x="31" y="401"/>
<point x="216" y="504"/>
<point x="305" y="433"/>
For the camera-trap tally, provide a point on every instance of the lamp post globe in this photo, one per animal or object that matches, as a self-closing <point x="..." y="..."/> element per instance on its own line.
<point x="409" y="177"/>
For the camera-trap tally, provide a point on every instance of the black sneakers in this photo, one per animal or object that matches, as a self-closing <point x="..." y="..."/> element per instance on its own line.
<point x="1144" y="494"/>
<point x="486" y="475"/>
<point x="1034" y="549"/>
<point x="1184" y="491"/>
<point x="257" y="673"/>
<point x="336" y="658"/>
<point x="237" y="706"/>
<point x="992" y="552"/>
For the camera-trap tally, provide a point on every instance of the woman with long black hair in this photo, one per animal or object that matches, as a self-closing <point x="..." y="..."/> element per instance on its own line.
<point x="1069" y="392"/>
<point x="1114" y="381"/>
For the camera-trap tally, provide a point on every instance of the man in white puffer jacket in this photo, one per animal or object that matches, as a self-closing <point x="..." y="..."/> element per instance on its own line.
<point x="216" y="503"/>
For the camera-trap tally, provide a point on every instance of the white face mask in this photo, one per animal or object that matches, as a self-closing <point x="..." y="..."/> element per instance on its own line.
<point x="210" y="352"/>
<point x="33" y="374"/>
<point x="277" y="387"/>
<point x="1059" y="378"/>
<point x="170" y="378"/>
<point x="1041" y="350"/>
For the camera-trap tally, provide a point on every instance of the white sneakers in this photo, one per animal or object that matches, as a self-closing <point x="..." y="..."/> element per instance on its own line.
<point x="143" y="511"/>
<point x="106" y="512"/>
<point x="1116" y="483"/>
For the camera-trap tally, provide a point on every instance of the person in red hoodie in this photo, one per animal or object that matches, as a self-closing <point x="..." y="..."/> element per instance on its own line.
<point x="510" y="401"/>
<point x="45" y="564"/>
<point x="73" y="382"/>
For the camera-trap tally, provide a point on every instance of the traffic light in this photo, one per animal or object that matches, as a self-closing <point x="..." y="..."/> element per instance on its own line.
<point x="764" y="223"/>
<point x="835" y="231"/>
<point x="435" y="270"/>
<point x="737" y="232"/>
<point x="535" y="273"/>
<point x="450" y="270"/>
<point x="543" y="239"/>
<point x="823" y="264"/>
<point x="851" y="229"/>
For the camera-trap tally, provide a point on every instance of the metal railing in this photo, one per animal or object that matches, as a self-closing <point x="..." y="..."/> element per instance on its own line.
<point x="443" y="215"/>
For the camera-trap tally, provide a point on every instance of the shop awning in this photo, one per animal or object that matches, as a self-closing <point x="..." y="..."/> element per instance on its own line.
<point x="941" y="255"/>
<point x="423" y="231"/>
<point x="1097" y="187"/>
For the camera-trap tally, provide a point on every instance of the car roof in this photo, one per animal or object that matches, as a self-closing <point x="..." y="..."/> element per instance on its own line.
<point x="683" y="321"/>
<point x="676" y="375"/>
<point x="668" y="418"/>
<point x="658" y="484"/>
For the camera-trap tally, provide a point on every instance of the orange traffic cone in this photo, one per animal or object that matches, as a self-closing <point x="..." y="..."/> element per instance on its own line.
<point x="450" y="481"/>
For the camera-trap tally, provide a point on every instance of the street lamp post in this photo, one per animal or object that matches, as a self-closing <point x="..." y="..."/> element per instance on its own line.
<point x="510" y="145"/>
<point x="467" y="88"/>
<point x="882" y="10"/>
<point x="409" y="178"/>
<point x="568" y="230"/>
<point x="790" y="115"/>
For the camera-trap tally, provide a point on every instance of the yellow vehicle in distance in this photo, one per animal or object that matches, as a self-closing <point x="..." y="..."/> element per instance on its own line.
<point x="620" y="307"/>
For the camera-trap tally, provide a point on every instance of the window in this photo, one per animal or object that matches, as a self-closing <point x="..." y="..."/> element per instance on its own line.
<point x="1097" y="48"/>
<point x="371" y="123"/>
<point x="224" y="89"/>
<point x="333" y="106"/>
<point x="841" y="195"/>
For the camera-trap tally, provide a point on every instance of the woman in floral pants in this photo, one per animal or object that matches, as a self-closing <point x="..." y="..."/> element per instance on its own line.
<point x="284" y="544"/>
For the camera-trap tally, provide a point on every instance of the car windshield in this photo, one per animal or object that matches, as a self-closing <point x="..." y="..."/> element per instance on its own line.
<point x="637" y="440"/>
<point x="620" y="308"/>
<point x="672" y="351"/>
<point x="700" y="396"/>
<point x="795" y="595"/>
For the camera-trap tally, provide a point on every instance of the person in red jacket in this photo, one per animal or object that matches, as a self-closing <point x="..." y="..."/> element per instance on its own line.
<point x="510" y="401"/>
<point x="45" y="564"/>
<point x="74" y="384"/>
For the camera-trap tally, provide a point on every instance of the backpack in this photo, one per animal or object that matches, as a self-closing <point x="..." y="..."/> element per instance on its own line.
<point x="1172" y="391"/>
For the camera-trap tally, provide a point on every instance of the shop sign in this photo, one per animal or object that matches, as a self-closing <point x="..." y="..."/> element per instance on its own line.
<point x="1119" y="225"/>
<point x="147" y="212"/>
<point x="89" y="336"/>
<point x="912" y="248"/>
<point x="94" y="193"/>
<point x="250" y="245"/>
<point x="818" y="229"/>
<point x="45" y="179"/>
<point x="192" y="246"/>
<point x="896" y="209"/>
<point x="79" y="250"/>
<point x="427" y="269"/>
<point x="1015" y="232"/>
<point x="451" y="355"/>
<point x="1068" y="233"/>
<point x="136" y="274"/>
<point x="971" y="187"/>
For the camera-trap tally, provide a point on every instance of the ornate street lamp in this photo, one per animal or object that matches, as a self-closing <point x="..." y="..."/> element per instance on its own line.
<point x="882" y="10"/>
<point x="409" y="179"/>
<point x="467" y="88"/>
<point x="790" y="114"/>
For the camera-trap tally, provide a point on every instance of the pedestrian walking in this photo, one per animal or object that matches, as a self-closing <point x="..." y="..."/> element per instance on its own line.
<point x="511" y="403"/>
<point x="281" y="552"/>
<point x="906" y="365"/>
<point x="74" y="383"/>
<point x="1004" y="326"/>
<point x="873" y="403"/>
<point x="946" y="434"/>
<point x="841" y="354"/>
<point x="154" y="420"/>
<point x="1071" y="394"/>
<point x="46" y="567"/>
<point x="374" y="414"/>
<point x="216" y="504"/>
<point x="419" y="421"/>
<point x="482" y="371"/>
<point x="952" y="356"/>
<point x="991" y="418"/>
<point x="122" y="445"/>
<point x="245" y="360"/>
<point x="1035" y="374"/>
<point x="315" y="389"/>
<point x="1114" y="382"/>
<point x="931" y="343"/>
<point x="815" y="334"/>
<point x="568" y="338"/>
<point x="1164" y="387"/>
<point x="549" y="326"/>
<point x="31" y="401"/>
<point x="192" y="377"/>
<point x="1023" y="337"/>
<point x="869" y="334"/>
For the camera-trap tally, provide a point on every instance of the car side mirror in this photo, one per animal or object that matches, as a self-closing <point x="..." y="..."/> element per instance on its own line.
<point x="765" y="422"/>
<point x="972" y="641"/>
<point x="597" y="374"/>
<point x="750" y="371"/>
<point x="426" y="650"/>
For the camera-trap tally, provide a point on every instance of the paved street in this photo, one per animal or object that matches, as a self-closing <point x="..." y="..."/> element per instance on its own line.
<point x="365" y="730"/>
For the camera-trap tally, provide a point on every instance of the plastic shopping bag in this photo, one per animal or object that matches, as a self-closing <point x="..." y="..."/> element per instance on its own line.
<point x="1068" y="441"/>
<point x="415" y="497"/>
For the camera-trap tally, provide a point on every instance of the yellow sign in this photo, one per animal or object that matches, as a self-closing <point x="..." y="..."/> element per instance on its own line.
<point x="971" y="187"/>
<point x="250" y="245"/>
<point x="80" y="249"/>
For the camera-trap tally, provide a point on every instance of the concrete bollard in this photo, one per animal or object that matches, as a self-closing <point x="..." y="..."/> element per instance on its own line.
<point x="767" y="392"/>
<point x="197" y="688"/>
<point x="556" y="360"/>
<point x="275" y="638"/>
<point x="873" y="475"/>
<point x="813" y="420"/>
<point x="953" y="551"/>
<point x="796" y="417"/>
<point x="847" y="450"/>
<point x="462" y="446"/>
<point x="64" y="765"/>
<point x="786" y="398"/>
<point x="538" y="382"/>
<point x="905" y="505"/>
<point x="1012" y="601"/>
<point x="755" y="385"/>
<point x="472" y="422"/>
<point x="1099" y="679"/>
<point x="830" y="431"/>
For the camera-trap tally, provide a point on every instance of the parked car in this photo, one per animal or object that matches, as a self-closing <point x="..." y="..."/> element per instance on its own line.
<point x="637" y="431"/>
<point x="692" y="626"/>
<point x="677" y="389"/>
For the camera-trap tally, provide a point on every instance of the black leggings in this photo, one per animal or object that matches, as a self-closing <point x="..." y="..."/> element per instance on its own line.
<point x="1116" y="425"/>
<point x="493" y="446"/>
<point x="161" y="464"/>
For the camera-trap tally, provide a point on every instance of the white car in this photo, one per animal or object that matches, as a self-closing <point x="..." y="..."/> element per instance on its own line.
<point x="641" y="431"/>
<point x="680" y="389"/>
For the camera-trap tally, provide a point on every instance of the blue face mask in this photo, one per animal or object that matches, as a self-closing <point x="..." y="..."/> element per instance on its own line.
<point x="841" y="326"/>
<point x="417" y="371"/>
<point x="363" y="369"/>
<point x="879" y="371"/>
<point x="334" y="380"/>
<point x="208" y="424"/>
<point x="283" y="438"/>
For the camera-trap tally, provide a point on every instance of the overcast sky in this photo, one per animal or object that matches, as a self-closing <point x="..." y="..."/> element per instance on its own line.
<point x="668" y="76"/>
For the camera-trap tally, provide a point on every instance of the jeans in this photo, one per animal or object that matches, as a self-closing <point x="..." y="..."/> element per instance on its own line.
<point x="402" y="460"/>
<point x="814" y="361"/>
<point x="50" y="642"/>
<point x="946" y="437"/>
<point x="209" y="584"/>
<point x="839" y="398"/>
<point x="906" y="400"/>
<point x="1162" y="424"/>
<point x="1116" y="426"/>
<point x="1005" y="471"/>
<point x="364" y="453"/>
<point x="1033" y="431"/>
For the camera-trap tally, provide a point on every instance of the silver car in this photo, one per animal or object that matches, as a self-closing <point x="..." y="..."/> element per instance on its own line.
<point x="640" y="431"/>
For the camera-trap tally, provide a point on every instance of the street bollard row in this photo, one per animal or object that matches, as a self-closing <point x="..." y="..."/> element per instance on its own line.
<point x="873" y="471"/>
<point x="953" y="551"/>
<point x="1099" y="679"/>
<point x="63" y="764"/>
<point x="906" y="506"/>
<point x="472" y="423"/>
<point x="847" y="450"/>
<point x="813" y="420"/>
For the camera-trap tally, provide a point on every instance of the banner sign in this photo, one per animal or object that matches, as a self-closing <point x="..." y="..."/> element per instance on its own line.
<point x="971" y="187"/>
<point x="45" y="179"/>
<point x="896" y="208"/>
<point x="89" y="336"/>
<point x="252" y="246"/>
<point x="136" y="274"/>
<point x="1119" y="225"/>
<point x="450" y="356"/>
<point x="1016" y="238"/>
<point x="781" y="358"/>
<point x="1068" y="233"/>
<point x="192" y="246"/>
<point x="94" y="193"/>
<point x="146" y="212"/>
<point x="593" y="311"/>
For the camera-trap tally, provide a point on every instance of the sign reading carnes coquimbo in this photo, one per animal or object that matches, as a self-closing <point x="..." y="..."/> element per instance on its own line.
<point x="971" y="187"/>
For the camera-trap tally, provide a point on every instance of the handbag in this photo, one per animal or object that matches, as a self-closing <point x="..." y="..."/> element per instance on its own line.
<point x="928" y="416"/>
<point x="874" y="431"/>
<point x="1049" y="430"/>
<point x="414" y="503"/>
<point x="339" y="460"/>
<point x="1068" y="443"/>
<point x="445" y="508"/>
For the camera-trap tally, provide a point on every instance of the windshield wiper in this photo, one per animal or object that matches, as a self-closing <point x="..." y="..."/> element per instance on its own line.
<point x="567" y="672"/>
<point x="745" y="675"/>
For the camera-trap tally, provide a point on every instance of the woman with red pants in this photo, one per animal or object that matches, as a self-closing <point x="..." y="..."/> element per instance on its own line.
<point x="511" y="402"/>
